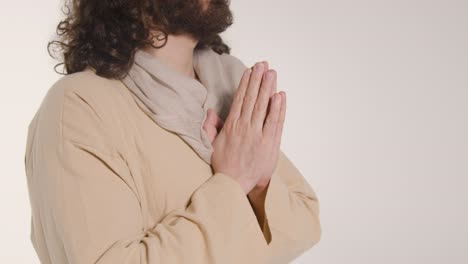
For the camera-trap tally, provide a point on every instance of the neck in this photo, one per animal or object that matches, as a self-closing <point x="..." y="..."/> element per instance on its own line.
<point x="177" y="53"/>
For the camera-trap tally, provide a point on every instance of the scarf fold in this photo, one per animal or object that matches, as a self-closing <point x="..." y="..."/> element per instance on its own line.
<point x="179" y="103"/>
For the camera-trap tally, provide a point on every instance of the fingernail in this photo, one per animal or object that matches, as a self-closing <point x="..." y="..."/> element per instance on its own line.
<point x="277" y="98"/>
<point x="283" y="94"/>
<point x="268" y="75"/>
<point x="259" y="66"/>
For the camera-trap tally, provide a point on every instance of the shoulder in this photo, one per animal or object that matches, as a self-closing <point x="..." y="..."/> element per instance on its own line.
<point x="79" y="107"/>
<point x="85" y="86"/>
<point x="229" y="61"/>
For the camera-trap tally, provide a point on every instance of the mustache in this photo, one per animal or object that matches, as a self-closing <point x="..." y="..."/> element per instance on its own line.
<point x="197" y="18"/>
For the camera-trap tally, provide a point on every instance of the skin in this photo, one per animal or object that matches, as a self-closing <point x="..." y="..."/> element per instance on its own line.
<point x="246" y="145"/>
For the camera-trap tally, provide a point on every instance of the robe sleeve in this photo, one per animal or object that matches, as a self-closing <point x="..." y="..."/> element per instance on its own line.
<point x="291" y="224"/>
<point x="90" y="205"/>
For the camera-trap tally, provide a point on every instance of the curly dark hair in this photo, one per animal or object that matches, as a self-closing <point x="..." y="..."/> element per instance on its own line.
<point x="104" y="34"/>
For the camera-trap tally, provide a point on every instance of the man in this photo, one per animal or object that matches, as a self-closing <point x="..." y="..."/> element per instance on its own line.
<point x="110" y="177"/>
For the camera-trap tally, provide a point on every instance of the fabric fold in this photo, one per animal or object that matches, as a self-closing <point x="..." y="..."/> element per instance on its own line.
<point x="179" y="103"/>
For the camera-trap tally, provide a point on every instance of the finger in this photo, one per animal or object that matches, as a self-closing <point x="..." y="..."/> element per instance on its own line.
<point x="264" y="63"/>
<point x="281" y="119"/>
<point x="210" y="118"/>
<point x="272" y="92"/>
<point x="219" y="123"/>
<point x="269" y="128"/>
<point x="209" y="124"/>
<point x="209" y="128"/>
<point x="275" y="84"/>
<point x="213" y="119"/>
<point x="263" y="98"/>
<point x="251" y="93"/>
<point x="211" y="133"/>
<point x="236" y="106"/>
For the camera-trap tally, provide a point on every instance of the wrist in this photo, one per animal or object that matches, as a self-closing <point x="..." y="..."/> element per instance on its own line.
<point x="257" y="198"/>
<point x="261" y="186"/>
<point x="258" y="193"/>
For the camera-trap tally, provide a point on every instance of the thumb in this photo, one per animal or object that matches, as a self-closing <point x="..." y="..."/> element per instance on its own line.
<point x="212" y="124"/>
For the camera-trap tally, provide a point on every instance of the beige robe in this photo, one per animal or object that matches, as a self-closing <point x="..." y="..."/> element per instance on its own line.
<point x="108" y="185"/>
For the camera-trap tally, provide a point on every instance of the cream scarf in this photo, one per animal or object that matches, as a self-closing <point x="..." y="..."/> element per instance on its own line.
<point x="179" y="103"/>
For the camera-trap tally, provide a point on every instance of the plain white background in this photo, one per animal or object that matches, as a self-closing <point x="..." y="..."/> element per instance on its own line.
<point x="377" y="118"/>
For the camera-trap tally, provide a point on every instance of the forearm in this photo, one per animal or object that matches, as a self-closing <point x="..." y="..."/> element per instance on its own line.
<point x="256" y="198"/>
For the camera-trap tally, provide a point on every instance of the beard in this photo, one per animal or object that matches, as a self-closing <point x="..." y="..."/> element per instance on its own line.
<point x="201" y="19"/>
